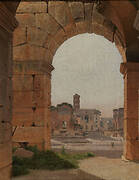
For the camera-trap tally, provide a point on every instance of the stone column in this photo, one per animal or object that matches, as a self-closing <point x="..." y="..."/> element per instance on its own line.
<point x="131" y="112"/>
<point x="7" y="26"/>
<point x="31" y="103"/>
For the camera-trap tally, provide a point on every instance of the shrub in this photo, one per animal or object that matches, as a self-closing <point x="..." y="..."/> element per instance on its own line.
<point x="34" y="149"/>
<point x="63" y="150"/>
<point x="14" y="149"/>
<point x="89" y="154"/>
<point x="19" y="167"/>
<point x="19" y="170"/>
<point x="49" y="160"/>
<point x="81" y="156"/>
<point x="41" y="160"/>
<point x="46" y="160"/>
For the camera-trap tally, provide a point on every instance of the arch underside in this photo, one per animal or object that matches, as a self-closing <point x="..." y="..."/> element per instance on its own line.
<point x="44" y="27"/>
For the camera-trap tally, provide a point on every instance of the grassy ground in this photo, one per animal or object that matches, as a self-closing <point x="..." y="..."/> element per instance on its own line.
<point x="47" y="160"/>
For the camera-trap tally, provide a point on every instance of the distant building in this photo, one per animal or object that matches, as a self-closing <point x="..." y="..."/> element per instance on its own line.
<point x="62" y="118"/>
<point x="89" y="118"/>
<point x="66" y="118"/>
<point x="107" y="123"/>
<point x="118" y="118"/>
<point x="76" y="102"/>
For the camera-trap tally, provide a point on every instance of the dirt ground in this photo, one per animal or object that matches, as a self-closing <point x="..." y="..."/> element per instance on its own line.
<point x="96" y="168"/>
<point x="111" y="169"/>
<point x="106" y="165"/>
<point x="58" y="175"/>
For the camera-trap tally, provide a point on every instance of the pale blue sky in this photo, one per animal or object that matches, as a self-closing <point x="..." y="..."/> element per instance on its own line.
<point x="89" y="65"/>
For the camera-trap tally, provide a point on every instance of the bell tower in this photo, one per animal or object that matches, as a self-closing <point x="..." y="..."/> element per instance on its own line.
<point x="76" y="102"/>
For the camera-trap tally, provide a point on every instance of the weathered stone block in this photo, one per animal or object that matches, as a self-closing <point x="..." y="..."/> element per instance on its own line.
<point x="60" y="11"/>
<point x="88" y="11"/>
<point x="36" y="36"/>
<point x="81" y="27"/>
<point x="28" y="52"/>
<point x="97" y="17"/>
<point x="32" y="67"/>
<point x="6" y="155"/>
<point x="70" y="30"/>
<point x="26" y="20"/>
<point x="44" y="20"/>
<point x="26" y="97"/>
<point x="132" y="152"/>
<point x="120" y="45"/>
<point x="101" y="30"/>
<point x="5" y="172"/>
<point x="22" y="116"/>
<point x="19" y="36"/>
<point x="88" y="7"/>
<point x="29" y="116"/>
<point x="29" y="134"/>
<point x="23" y="153"/>
<point x="77" y="10"/>
<point x="22" y="83"/>
<point x="48" y="56"/>
<point x="52" y="45"/>
<point x="60" y="37"/>
<point x="32" y="7"/>
<point x="5" y="132"/>
<point x="39" y="116"/>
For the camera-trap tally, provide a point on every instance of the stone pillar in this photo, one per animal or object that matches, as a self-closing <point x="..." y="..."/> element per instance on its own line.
<point x="5" y="106"/>
<point x="7" y="26"/>
<point x="31" y="103"/>
<point x="131" y="89"/>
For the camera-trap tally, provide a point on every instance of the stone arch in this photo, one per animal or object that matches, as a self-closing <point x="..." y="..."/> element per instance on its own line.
<point x="122" y="14"/>
<point x="57" y="25"/>
<point x="42" y="29"/>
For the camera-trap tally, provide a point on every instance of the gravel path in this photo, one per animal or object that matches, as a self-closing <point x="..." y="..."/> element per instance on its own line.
<point x="111" y="169"/>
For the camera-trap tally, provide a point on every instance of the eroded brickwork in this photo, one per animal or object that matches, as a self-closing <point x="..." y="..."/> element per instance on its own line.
<point x="62" y="121"/>
<point x="31" y="102"/>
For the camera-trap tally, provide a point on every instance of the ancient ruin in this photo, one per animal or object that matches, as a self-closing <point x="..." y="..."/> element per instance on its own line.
<point x="26" y="62"/>
<point x="70" y="119"/>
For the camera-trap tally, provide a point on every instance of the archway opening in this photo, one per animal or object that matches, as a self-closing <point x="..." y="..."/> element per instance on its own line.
<point x="10" y="8"/>
<point x="87" y="95"/>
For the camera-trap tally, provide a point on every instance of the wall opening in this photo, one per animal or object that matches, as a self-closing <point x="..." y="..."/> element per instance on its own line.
<point x="87" y="66"/>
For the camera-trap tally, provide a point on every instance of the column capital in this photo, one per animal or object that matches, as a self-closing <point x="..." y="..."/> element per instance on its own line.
<point x="7" y="19"/>
<point x="32" y="67"/>
<point x="129" y="67"/>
